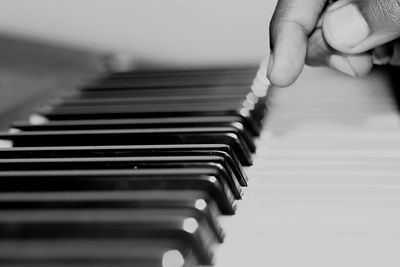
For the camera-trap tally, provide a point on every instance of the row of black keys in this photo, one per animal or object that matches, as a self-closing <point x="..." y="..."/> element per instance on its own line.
<point x="133" y="170"/>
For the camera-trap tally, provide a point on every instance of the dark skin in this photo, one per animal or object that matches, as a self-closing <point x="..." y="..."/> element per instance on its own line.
<point x="348" y="35"/>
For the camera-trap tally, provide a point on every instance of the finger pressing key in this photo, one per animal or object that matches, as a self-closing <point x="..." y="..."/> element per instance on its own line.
<point x="292" y="23"/>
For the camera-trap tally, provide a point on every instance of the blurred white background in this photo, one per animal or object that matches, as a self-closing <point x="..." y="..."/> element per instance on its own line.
<point x="155" y="31"/>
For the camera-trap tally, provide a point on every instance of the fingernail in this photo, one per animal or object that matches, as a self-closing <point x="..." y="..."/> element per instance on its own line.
<point x="341" y="64"/>
<point x="345" y="27"/>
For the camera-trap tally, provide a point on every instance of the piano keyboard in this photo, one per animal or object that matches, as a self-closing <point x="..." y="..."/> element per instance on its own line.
<point x="147" y="169"/>
<point x="133" y="170"/>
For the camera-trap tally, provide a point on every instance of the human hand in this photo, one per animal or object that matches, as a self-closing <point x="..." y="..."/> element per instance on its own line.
<point x="348" y="35"/>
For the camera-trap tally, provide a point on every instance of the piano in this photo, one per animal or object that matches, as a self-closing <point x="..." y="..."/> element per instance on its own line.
<point x="203" y="167"/>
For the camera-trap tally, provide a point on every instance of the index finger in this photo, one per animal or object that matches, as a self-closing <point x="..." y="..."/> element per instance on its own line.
<point x="292" y="23"/>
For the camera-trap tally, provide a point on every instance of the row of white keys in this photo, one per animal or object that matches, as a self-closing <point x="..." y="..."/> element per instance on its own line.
<point x="325" y="186"/>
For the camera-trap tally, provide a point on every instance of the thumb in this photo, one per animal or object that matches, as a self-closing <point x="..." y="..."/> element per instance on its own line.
<point x="356" y="26"/>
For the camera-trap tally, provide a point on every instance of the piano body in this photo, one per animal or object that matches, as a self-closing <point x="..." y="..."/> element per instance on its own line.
<point x="195" y="166"/>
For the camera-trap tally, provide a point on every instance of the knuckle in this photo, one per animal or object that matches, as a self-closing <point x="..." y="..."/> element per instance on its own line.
<point x="292" y="12"/>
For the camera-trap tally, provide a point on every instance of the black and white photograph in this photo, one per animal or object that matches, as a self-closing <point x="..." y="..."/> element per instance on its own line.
<point x="212" y="133"/>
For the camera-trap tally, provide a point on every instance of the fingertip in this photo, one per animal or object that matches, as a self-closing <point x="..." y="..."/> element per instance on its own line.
<point x="274" y="76"/>
<point x="288" y="59"/>
<point x="280" y="78"/>
<point x="345" y="28"/>
<point x="361" y="64"/>
<point x="353" y="65"/>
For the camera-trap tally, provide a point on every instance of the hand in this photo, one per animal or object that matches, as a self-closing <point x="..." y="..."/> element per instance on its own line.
<point x="349" y="36"/>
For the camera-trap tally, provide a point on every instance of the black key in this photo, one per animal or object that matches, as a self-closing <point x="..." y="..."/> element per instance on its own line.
<point x="150" y="111"/>
<point x="153" y="100"/>
<point x="157" y="123"/>
<point x="229" y="70"/>
<point x="234" y="73"/>
<point x="94" y="252"/>
<point x="136" y="163"/>
<point x="159" y="83"/>
<point x="200" y="179"/>
<point x="130" y="151"/>
<point x="159" y="93"/>
<point x="112" y="224"/>
<point x="177" y="80"/>
<point x="254" y="123"/>
<point x="169" y="122"/>
<point x="250" y="112"/>
<point x="182" y="100"/>
<point x="142" y="107"/>
<point x="184" y="122"/>
<point x="135" y="137"/>
<point x="120" y="151"/>
<point x="197" y="201"/>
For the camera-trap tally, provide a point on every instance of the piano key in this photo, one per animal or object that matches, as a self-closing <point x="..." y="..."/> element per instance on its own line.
<point x="198" y="201"/>
<point x="184" y="122"/>
<point x="235" y="127"/>
<point x="127" y="96"/>
<point x="109" y="151"/>
<point x="151" y="111"/>
<point x="202" y="179"/>
<point x="168" y="82"/>
<point x="256" y="106"/>
<point x="255" y="110"/>
<point x="243" y="73"/>
<point x="114" y="224"/>
<point x="170" y="93"/>
<point x="175" y="81"/>
<point x="161" y="96"/>
<point x="162" y="106"/>
<point x="94" y="153"/>
<point x="99" y="252"/>
<point x="135" y="137"/>
<point x="231" y="70"/>
<point x="208" y="75"/>
<point x="249" y="111"/>
<point x="136" y="163"/>
<point x="249" y="117"/>
<point x="120" y="151"/>
<point x="188" y="98"/>
<point x="174" y="92"/>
